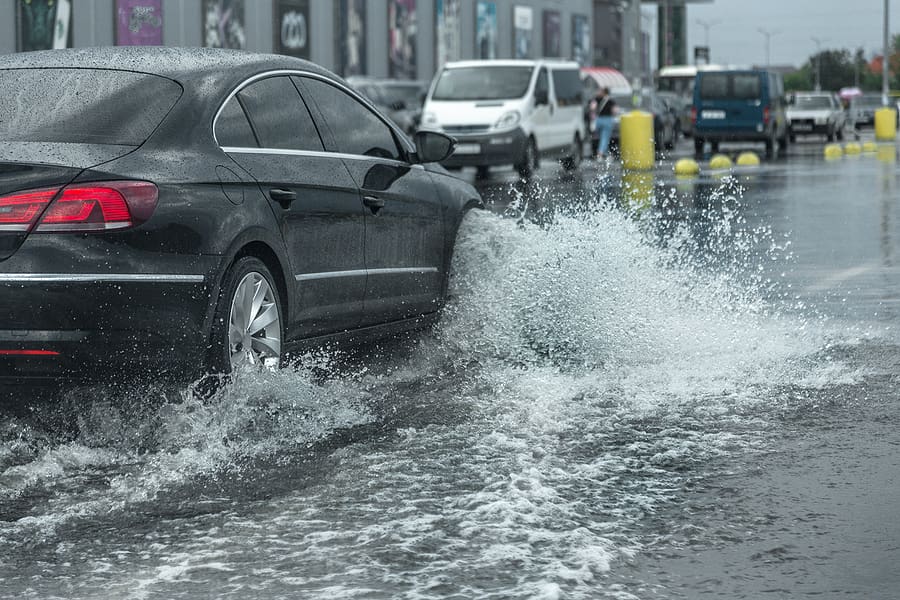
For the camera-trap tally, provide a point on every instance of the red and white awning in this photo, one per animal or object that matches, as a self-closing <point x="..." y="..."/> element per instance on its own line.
<point x="607" y="77"/>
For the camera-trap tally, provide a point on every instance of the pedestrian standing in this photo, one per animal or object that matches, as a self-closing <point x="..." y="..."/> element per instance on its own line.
<point x="603" y="123"/>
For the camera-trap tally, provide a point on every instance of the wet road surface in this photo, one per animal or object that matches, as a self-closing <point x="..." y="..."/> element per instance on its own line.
<point x="643" y="387"/>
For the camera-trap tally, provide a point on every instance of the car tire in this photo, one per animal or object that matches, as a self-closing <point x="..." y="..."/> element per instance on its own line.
<point x="249" y="310"/>
<point x="529" y="163"/>
<point x="770" y="146"/>
<point x="698" y="147"/>
<point x="830" y="135"/>
<point x="840" y="134"/>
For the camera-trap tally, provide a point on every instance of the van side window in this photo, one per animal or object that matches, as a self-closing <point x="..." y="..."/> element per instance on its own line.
<point x="542" y="84"/>
<point x="567" y="84"/>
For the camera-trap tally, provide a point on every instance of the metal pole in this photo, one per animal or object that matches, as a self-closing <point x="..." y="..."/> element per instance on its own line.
<point x="818" y="42"/>
<point x="768" y="35"/>
<point x="886" y="60"/>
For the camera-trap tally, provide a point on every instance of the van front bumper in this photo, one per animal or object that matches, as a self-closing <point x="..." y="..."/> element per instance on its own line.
<point x="488" y="149"/>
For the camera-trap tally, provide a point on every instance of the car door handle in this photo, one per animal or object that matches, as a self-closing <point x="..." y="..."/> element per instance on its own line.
<point x="283" y="197"/>
<point x="374" y="203"/>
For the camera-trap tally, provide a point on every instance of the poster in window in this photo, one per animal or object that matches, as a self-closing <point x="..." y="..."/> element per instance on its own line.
<point x="581" y="40"/>
<point x="449" y="31"/>
<point x="402" y="38"/>
<point x="292" y="27"/>
<point x="523" y="26"/>
<point x="43" y="24"/>
<point x="223" y="24"/>
<point x="351" y="14"/>
<point x="486" y="30"/>
<point x="552" y="34"/>
<point x="139" y="23"/>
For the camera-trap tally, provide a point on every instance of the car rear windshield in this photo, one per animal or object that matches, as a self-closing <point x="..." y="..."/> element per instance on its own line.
<point x="730" y="86"/>
<point x="483" y="83"/>
<point x="84" y="106"/>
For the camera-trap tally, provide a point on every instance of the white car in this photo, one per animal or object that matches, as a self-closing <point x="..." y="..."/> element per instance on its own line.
<point x="508" y="112"/>
<point x="816" y="113"/>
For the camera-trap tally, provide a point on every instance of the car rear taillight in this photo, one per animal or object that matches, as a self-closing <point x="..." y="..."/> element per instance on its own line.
<point x="694" y="115"/>
<point x="19" y="211"/>
<point x="84" y="207"/>
<point x="767" y="114"/>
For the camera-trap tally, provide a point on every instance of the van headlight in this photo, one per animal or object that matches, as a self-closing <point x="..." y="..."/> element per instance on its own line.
<point x="508" y="120"/>
<point x="429" y="119"/>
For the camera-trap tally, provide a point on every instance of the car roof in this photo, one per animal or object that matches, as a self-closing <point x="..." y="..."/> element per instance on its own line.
<point x="511" y="62"/>
<point x="179" y="64"/>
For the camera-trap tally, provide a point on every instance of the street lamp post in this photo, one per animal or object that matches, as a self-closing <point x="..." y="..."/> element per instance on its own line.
<point x="706" y="25"/>
<point x="818" y="42"/>
<point x="886" y="59"/>
<point x="768" y="33"/>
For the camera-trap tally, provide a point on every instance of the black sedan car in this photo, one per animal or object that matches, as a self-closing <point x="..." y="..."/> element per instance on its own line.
<point x="192" y="210"/>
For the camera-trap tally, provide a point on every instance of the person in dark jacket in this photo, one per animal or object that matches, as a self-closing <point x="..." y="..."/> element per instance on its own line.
<point x="602" y="109"/>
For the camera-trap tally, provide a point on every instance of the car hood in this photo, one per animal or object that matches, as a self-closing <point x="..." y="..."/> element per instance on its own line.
<point x="479" y="112"/>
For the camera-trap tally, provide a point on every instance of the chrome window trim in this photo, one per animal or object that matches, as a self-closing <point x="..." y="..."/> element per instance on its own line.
<point x="362" y="272"/>
<point x="288" y="72"/>
<point x="314" y="153"/>
<point x="98" y="278"/>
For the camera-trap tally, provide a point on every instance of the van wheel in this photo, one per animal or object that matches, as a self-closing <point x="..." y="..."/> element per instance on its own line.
<point x="529" y="163"/>
<point x="770" y="147"/>
<point x="571" y="162"/>
<point x="698" y="147"/>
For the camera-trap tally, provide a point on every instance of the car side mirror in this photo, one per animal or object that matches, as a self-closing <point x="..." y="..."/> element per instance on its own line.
<point x="541" y="97"/>
<point x="433" y="146"/>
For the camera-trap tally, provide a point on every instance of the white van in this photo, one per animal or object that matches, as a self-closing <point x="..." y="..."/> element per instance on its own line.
<point x="506" y="112"/>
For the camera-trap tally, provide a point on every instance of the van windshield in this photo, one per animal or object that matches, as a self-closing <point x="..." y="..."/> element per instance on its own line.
<point x="730" y="86"/>
<point x="482" y="83"/>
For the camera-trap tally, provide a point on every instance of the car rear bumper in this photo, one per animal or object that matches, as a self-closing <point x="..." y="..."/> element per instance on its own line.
<point x="736" y="135"/>
<point x="488" y="149"/>
<point x="76" y="322"/>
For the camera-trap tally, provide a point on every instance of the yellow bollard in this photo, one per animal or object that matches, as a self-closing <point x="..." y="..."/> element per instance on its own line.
<point x="887" y="153"/>
<point x="686" y="167"/>
<point x="719" y="161"/>
<point x="833" y="151"/>
<point x="852" y="148"/>
<point x="747" y="159"/>
<point x="638" y="189"/>
<point x="885" y="124"/>
<point x="636" y="140"/>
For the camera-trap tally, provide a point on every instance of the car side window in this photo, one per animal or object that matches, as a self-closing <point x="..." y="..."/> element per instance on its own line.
<point x="354" y="127"/>
<point x="233" y="128"/>
<point x="279" y="116"/>
<point x="542" y="85"/>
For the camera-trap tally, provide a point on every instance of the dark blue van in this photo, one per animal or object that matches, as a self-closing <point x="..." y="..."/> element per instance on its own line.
<point x="743" y="105"/>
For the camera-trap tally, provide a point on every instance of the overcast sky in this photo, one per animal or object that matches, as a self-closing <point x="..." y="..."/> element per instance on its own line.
<point x="735" y="36"/>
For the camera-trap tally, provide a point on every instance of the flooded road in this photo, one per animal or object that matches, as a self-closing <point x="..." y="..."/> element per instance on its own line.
<point x="642" y="388"/>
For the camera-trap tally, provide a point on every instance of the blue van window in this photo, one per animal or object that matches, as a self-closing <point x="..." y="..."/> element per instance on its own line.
<point x="714" y="86"/>
<point x="730" y="86"/>
<point x="746" y="86"/>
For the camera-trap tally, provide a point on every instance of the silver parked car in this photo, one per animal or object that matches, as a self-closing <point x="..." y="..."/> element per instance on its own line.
<point x="816" y="113"/>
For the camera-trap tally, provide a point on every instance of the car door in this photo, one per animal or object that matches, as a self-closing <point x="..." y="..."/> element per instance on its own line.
<point x="312" y="195"/>
<point x="541" y="117"/>
<point x="404" y="237"/>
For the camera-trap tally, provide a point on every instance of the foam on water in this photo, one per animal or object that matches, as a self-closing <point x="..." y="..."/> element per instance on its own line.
<point x="581" y="371"/>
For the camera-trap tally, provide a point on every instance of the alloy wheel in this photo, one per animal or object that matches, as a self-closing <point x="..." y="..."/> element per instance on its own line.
<point x="254" y="325"/>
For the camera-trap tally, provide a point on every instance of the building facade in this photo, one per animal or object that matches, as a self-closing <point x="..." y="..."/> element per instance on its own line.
<point x="380" y="38"/>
